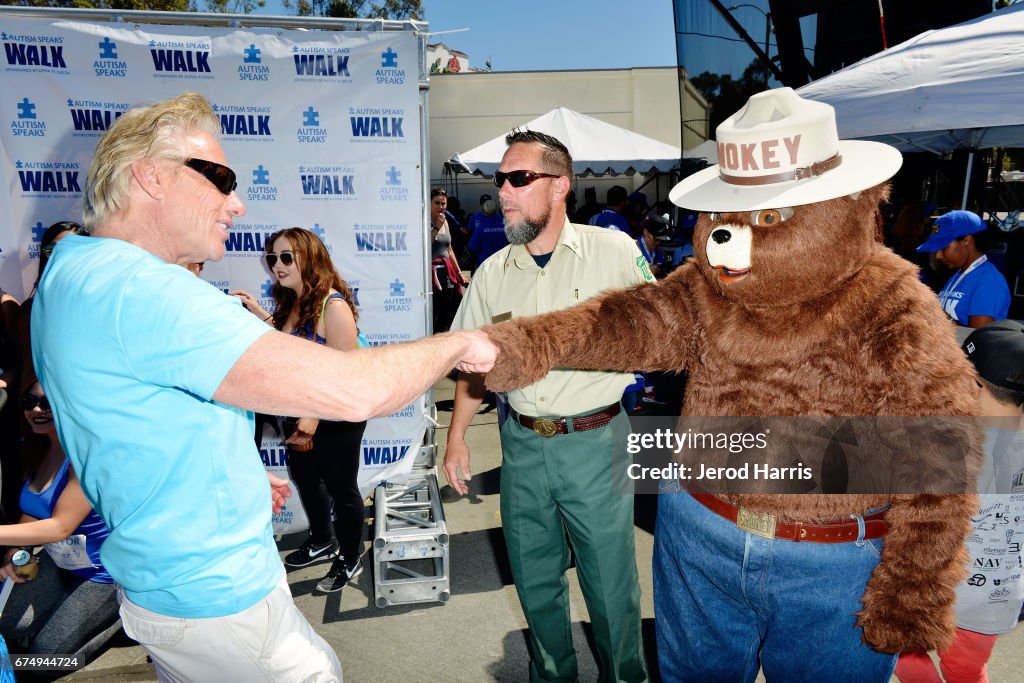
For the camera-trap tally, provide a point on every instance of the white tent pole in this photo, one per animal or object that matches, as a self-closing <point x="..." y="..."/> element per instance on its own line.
<point x="967" y="180"/>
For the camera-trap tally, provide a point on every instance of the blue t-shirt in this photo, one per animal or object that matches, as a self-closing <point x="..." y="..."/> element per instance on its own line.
<point x="130" y="350"/>
<point x="610" y="218"/>
<point x="982" y="291"/>
<point x="92" y="530"/>
<point x="488" y="236"/>
<point x="655" y="258"/>
<point x="474" y="220"/>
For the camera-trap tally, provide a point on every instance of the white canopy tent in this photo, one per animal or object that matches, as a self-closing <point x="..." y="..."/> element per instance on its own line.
<point x="597" y="148"/>
<point x="960" y="87"/>
<point x="707" y="150"/>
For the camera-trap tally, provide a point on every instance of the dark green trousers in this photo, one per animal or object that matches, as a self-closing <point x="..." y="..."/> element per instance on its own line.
<point x="566" y="484"/>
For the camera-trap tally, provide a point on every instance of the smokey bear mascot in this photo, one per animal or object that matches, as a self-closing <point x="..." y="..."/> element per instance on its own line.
<point x="791" y="307"/>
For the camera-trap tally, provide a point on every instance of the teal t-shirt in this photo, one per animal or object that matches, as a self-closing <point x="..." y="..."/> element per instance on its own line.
<point x="130" y="349"/>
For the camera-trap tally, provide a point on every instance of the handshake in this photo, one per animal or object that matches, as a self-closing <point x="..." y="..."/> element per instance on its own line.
<point x="480" y="352"/>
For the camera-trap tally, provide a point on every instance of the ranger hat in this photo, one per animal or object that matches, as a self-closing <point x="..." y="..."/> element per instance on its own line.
<point x="783" y="150"/>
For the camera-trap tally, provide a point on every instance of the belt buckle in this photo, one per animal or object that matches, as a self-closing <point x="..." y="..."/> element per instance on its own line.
<point x="759" y="524"/>
<point x="545" y="427"/>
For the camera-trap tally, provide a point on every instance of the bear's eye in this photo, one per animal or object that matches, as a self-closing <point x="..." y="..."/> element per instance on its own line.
<point x="769" y="217"/>
<point x="714" y="216"/>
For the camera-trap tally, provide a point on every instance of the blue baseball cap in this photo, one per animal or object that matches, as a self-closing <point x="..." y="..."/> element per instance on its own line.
<point x="952" y="226"/>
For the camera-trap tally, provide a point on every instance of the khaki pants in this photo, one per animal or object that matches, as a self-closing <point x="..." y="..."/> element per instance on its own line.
<point x="270" y="641"/>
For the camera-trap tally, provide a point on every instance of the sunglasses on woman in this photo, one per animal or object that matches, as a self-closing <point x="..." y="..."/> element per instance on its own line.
<point x="30" y="403"/>
<point x="222" y="177"/>
<point x="519" y="178"/>
<point x="285" y="256"/>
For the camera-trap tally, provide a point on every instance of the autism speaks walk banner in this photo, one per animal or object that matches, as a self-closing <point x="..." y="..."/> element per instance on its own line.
<point x="322" y="127"/>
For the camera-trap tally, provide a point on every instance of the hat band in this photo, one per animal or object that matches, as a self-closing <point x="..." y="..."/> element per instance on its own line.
<point x="815" y="169"/>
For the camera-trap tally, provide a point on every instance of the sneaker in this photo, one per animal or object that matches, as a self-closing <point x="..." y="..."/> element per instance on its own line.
<point x="309" y="552"/>
<point x="339" y="575"/>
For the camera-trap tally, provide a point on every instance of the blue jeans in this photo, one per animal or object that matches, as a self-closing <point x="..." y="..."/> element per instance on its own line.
<point x="728" y="602"/>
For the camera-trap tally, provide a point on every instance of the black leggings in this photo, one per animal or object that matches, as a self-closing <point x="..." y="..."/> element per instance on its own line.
<point x="329" y="472"/>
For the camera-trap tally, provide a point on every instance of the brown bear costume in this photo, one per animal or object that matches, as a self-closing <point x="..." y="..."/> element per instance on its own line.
<point x="822" y="320"/>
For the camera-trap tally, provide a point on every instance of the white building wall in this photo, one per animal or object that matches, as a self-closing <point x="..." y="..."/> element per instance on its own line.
<point x="469" y="109"/>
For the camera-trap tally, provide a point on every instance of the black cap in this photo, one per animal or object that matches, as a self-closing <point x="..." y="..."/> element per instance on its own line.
<point x="997" y="351"/>
<point x="658" y="226"/>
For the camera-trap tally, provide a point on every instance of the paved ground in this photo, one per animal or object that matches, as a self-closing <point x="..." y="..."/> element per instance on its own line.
<point x="479" y="635"/>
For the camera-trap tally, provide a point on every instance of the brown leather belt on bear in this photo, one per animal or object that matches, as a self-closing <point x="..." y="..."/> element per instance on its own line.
<point x="766" y="524"/>
<point x="549" y="426"/>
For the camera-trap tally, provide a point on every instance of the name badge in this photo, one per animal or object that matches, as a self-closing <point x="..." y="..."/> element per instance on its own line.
<point x="501" y="317"/>
<point x="70" y="553"/>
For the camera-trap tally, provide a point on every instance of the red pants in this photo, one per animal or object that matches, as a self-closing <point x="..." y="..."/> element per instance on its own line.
<point x="964" y="662"/>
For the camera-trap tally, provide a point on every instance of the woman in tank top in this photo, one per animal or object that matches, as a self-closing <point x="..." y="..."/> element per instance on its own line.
<point x="73" y="599"/>
<point x="315" y="303"/>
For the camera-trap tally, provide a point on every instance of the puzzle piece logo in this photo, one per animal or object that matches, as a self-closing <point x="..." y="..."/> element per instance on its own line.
<point x="260" y="176"/>
<point x="389" y="59"/>
<point x="397" y="288"/>
<point x="267" y="289"/>
<point x="252" y="54"/>
<point x="318" y="231"/>
<point x="311" y="117"/>
<point x="37" y="231"/>
<point x="392" y="190"/>
<point x="26" y="109"/>
<point x="108" y="49"/>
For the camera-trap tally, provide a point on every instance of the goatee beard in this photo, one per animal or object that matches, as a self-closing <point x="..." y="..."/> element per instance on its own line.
<point x="527" y="229"/>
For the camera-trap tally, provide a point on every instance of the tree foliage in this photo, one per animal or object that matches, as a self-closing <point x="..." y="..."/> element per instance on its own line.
<point x="153" y="5"/>
<point x="353" y="9"/>
<point x="231" y="6"/>
<point x="727" y="95"/>
<point x="344" y="9"/>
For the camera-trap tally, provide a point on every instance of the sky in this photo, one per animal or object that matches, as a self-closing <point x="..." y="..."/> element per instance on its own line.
<point x="538" y="35"/>
<point x="532" y="35"/>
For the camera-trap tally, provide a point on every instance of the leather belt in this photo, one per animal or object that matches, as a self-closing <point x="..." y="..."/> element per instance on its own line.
<point x="766" y="524"/>
<point x="549" y="426"/>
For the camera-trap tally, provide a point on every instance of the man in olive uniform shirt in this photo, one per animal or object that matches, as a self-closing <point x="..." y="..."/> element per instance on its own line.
<point x="564" y="443"/>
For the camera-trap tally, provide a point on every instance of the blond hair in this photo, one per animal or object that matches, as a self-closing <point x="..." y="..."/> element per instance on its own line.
<point x="153" y="132"/>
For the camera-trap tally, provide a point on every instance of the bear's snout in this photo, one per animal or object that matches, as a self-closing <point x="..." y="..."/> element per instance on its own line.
<point x="728" y="250"/>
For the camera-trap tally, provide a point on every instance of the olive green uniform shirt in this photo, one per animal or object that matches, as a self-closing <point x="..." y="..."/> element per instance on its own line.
<point x="586" y="261"/>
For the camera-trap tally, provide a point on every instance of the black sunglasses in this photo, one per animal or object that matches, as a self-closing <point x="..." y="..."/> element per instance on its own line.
<point x="519" y="178"/>
<point x="30" y="402"/>
<point x="285" y="256"/>
<point x="222" y="177"/>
